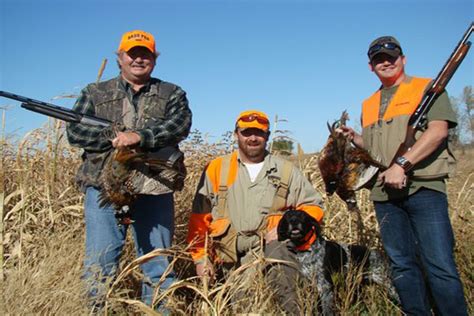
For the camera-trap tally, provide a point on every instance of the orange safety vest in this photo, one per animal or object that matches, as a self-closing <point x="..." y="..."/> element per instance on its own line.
<point x="383" y="137"/>
<point x="404" y="102"/>
<point x="224" y="173"/>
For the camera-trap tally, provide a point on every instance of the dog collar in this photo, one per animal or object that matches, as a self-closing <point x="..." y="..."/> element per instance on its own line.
<point x="309" y="239"/>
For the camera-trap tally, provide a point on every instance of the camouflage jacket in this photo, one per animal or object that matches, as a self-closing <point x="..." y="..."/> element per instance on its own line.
<point x="159" y="112"/>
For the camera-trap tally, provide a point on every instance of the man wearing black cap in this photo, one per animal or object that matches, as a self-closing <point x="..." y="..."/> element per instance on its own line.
<point x="410" y="196"/>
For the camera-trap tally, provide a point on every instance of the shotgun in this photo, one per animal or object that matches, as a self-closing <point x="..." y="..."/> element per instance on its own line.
<point x="168" y="157"/>
<point x="55" y="111"/>
<point x="435" y="89"/>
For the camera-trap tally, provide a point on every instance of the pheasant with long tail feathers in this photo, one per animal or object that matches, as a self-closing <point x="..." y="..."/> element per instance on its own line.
<point x="343" y="167"/>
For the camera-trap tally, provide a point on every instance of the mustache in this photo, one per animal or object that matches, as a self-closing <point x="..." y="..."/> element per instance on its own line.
<point x="254" y="143"/>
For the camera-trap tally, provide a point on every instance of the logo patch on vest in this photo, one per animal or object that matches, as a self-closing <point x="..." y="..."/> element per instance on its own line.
<point x="402" y="103"/>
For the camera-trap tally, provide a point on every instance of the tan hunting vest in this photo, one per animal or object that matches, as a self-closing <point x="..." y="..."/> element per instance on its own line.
<point x="383" y="137"/>
<point x="222" y="230"/>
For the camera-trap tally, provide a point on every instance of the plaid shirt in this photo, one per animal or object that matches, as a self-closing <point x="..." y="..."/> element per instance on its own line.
<point x="169" y="131"/>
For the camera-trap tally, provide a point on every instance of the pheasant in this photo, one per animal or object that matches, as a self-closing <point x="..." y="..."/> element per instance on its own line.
<point x="117" y="186"/>
<point x="342" y="165"/>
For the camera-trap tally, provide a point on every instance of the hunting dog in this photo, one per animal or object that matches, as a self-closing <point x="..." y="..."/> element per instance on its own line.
<point x="326" y="257"/>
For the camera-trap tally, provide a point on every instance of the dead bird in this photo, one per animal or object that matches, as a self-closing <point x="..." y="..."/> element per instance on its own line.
<point x="343" y="166"/>
<point x="117" y="189"/>
<point x="124" y="165"/>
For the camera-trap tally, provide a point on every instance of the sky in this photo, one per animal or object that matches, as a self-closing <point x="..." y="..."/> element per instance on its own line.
<point x="303" y="61"/>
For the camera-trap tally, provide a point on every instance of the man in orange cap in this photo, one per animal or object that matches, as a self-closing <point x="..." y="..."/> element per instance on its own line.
<point x="240" y="198"/>
<point x="150" y="114"/>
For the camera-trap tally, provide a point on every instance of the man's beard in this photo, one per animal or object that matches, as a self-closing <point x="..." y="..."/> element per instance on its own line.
<point x="252" y="151"/>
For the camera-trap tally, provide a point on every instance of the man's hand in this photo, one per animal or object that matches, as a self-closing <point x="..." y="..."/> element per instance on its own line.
<point x="126" y="139"/>
<point x="351" y="135"/>
<point x="205" y="269"/>
<point x="346" y="131"/>
<point x="394" y="177"/>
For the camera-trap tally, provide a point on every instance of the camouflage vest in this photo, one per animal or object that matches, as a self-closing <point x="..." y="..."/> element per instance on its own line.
<point x="111" y="102"/>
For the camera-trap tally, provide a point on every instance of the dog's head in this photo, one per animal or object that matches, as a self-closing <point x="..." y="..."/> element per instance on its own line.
<point x="295" y="226"/>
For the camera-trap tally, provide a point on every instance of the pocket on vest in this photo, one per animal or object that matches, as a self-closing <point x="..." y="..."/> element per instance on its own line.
<point x="219" y="227"/>
<point x="441" y="167"/>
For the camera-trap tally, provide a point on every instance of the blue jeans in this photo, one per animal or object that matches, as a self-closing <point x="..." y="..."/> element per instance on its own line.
<point x="153" y="228"/>
<point x="418" y="238"/>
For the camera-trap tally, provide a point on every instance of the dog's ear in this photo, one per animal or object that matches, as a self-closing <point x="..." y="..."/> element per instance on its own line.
<point x="282" y="228"/>
<point x="312" y="222"/>
<point x="309" y="222"/>
<point x="316" y="226"/>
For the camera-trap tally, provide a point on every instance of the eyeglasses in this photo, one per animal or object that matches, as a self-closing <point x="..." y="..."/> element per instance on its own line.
<point x="377" y="47"/>
<point x="253" y="117"/>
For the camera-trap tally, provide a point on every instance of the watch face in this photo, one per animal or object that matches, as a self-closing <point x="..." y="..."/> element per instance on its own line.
<point x="403" y="162"/>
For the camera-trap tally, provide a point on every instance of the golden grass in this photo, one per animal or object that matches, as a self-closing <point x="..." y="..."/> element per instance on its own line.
<point x="43" y="239"/>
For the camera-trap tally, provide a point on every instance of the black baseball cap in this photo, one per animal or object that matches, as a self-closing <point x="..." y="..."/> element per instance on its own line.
<point x="385" y="44"/>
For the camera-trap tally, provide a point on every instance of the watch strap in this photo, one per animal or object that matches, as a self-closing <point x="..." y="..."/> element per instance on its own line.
<point x="404" y="163"/>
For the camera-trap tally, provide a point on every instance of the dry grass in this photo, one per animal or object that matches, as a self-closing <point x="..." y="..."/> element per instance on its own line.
<point x="43" y="239"/>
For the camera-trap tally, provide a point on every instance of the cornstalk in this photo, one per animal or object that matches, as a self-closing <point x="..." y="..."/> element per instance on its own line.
<point x="205" y="279"/>
<point x="47" y="168"/>
<point x="101" y="70"/>
<point x="2" y="194"/>
<point x="274" y="129"/>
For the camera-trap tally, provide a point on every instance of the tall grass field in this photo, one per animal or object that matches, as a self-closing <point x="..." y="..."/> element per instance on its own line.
<point x="42" y="239"/>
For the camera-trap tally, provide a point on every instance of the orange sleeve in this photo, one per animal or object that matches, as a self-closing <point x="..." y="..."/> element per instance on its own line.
<point x="273" y="220"/>
<point x="312" y="210"/>
<point x="201" y="216"/>
<point x="197" y="230"/>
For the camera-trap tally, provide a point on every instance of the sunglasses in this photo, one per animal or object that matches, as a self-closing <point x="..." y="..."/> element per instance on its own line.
<point x="252" y="131"/>
<point x="377" y="47"/>
<point x="253" y="117"/>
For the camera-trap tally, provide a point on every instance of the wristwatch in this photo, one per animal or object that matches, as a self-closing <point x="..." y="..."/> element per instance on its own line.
<point x="404" y="163"/>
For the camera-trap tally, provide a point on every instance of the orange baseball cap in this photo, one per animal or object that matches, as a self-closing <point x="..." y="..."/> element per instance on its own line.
<point x="137" y="38"/>
<point x="253" y="119"/>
